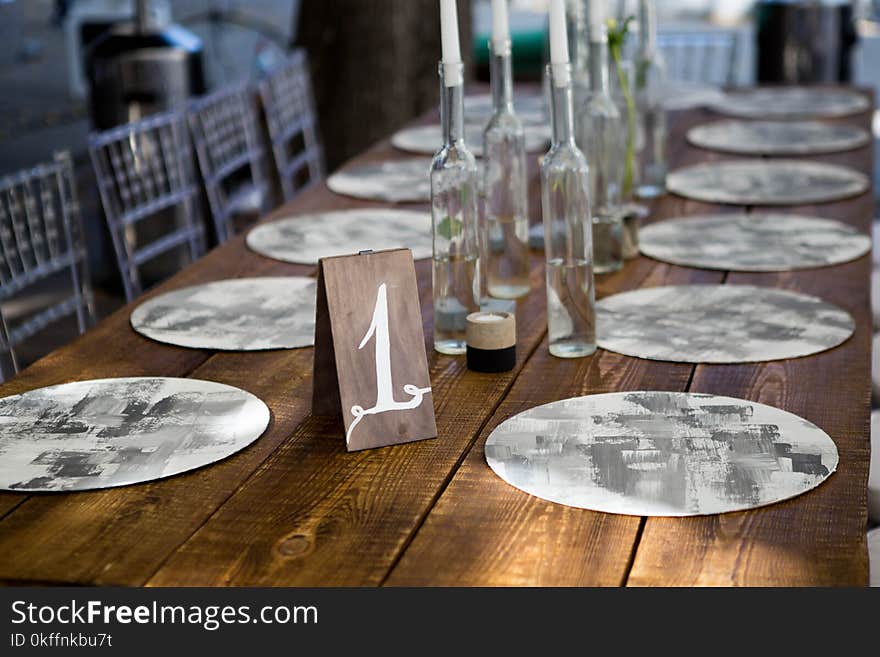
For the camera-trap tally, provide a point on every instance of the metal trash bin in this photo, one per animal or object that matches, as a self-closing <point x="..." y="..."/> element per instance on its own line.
<point x="804" y="42"/>
<point x="135" y="70"/>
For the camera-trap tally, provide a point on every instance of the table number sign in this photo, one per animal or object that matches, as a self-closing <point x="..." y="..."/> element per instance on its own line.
<point x="370" y="363"/>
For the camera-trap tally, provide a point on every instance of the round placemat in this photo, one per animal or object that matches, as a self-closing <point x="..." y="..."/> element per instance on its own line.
<point x="239" y="314"/>
<point x="753" y="242"/>
<point x="660" y="453"/>
<point x="719" y="324"/>
<point x="114" y="432"/>
<point x="530" y="108"/>
<point x="426" y="139"/>
<point x="791" y="102"/>
<point x="396" y="181"/>
<point x="767" y="182"/>
<point x="684" y="94"/>
<point x="307" y="238"/>
<point x="777" y="137"/>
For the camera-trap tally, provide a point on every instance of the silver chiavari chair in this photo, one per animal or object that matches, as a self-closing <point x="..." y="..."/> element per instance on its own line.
<point x="224" y="130"/>
<point x="145" y="171"/>
<point x="708" y="57"/>
<point x="41" y="236"/>
<point x="287" y="99"/>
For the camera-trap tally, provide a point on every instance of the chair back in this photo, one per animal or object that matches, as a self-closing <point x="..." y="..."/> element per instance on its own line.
<point x="41" y="235"/>
<point x="287" y="99"/>
<point x="145" y="171"/>
<point x="224" y="130"/>
<point x="700" y="56"/>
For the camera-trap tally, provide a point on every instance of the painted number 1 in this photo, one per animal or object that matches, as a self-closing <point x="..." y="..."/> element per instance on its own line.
<point x="384" y="385"/>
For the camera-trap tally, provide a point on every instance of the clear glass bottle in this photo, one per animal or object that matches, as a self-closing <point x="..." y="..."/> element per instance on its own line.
<point x="506" y="240"/>
<point x="456" y="271"/>
<point x="568" y="248"/>
<point x="650" y="73"/>
<point x="600" y="136"/>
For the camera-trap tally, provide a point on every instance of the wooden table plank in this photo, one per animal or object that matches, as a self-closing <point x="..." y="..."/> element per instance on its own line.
<point x="817" y="539"/>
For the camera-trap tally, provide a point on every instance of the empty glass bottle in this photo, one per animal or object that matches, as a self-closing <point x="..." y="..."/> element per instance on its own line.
<point x="506" y="238"/>
<point x="650" y="73"/>
<point x="568" y="248"/>
<point x="600" y="135"/>
<point x="456" y="271"/>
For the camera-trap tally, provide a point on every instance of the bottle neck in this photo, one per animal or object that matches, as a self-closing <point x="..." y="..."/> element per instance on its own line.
<point x="647" y="27"/>
<point x="451" y="107"/>
<point x="560" y="105"/>
<point x="599" y="61"/>
<point x="501" y="80"/>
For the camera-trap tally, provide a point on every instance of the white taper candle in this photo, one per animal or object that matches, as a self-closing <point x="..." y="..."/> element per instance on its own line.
<point x="449" y="42"/>
<point x="558" y="43"/>
<point x="598" y="13"/>
<point x="500" y="26"/>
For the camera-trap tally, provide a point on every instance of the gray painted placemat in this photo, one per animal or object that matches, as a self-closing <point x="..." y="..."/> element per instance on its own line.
<point x="114" y="432"/>
<point x="660" y="453"/>
<point x="426" y="139"/>
<point x="307" y="238"/>
<point x="530" y="108"/>
<point x="791" y="102"/>
<point x="767" y="182"/>
<point x="238" y="314"/>
<point x="396" y="181"/>
<point x="719" y="324"/>
<point x="753" y="242"/>
<point x="684" y="94"/>
<point x="777" y="137"/>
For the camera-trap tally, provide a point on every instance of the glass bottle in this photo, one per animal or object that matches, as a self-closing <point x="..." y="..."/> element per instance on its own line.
<point x="506" y="240"/>
<point x="650" y="73"/>
<point x="456" y="267"/>
<point x="568" y="248"/>
<point x="600" y="135"/>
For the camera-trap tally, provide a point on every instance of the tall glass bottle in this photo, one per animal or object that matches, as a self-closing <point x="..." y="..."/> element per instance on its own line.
<point x="568" y="248"/>
<point x="650" y="73"/>
<point x="456" y="272"/>
<point x="506" y="240"/>
<point x="600" y="135"/>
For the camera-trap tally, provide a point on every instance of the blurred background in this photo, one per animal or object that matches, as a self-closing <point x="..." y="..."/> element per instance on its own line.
<point x="373" y="66"/>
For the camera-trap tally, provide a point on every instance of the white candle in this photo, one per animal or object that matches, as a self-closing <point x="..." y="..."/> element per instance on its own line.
<point x="449" y="42"/>
<point x="598" y="13"/>
<point x="500" y="27"/>
<point x="558" y="42"/>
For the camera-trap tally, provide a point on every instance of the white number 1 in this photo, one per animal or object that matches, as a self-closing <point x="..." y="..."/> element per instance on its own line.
<point x="384" y="385"/>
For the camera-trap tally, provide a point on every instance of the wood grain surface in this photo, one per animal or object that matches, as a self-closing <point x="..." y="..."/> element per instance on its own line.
<point x="296" y="509"/>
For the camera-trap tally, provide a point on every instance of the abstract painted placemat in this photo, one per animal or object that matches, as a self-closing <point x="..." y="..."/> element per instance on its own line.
<point x="426" y="139"/>
<point x="719" y="324"/>
<point x="114" y="432"/>
<point x="660" y="453"/>
<point x="239" y="314"/>
<point x="791" y="102"/>
<point x="777" y="137"/>
<point x="396" y="181"/>
<point x="767" y="182"/>
<point x="685" y="94"/>
<point x="307" y="238"/>
<point x="529" y="107"/>
<point x="753" y="242"/>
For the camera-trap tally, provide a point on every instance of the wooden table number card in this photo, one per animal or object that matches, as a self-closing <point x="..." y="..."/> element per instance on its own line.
<point x="370" y="363"/>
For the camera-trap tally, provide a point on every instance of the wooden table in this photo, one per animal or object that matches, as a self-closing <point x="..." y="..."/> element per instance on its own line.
<point x="295" y="509"/>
